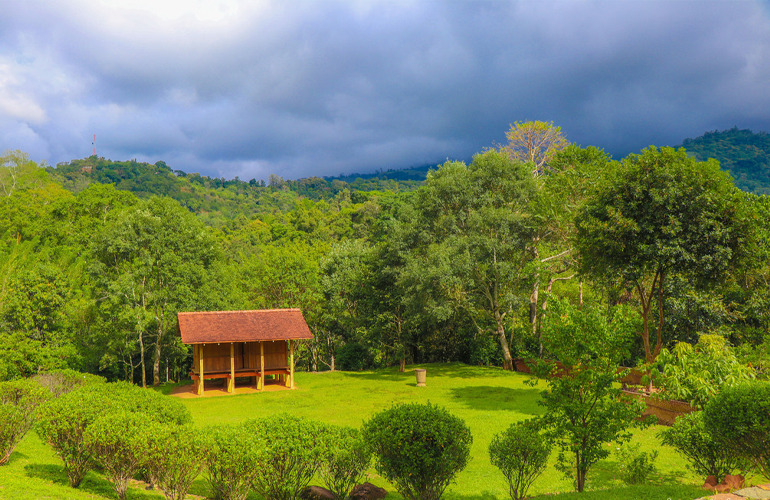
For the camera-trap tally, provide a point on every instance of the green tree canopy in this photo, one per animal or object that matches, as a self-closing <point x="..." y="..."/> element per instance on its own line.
<point x="663" y="212"/>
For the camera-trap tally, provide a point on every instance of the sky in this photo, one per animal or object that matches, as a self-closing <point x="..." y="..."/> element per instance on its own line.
<point x="301" y="88"/>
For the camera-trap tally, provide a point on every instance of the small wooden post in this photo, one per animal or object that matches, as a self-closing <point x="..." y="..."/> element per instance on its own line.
<point x="261" y="366"/>
<point x="196" y="357"/>
<point x="200" y="370"/>
<point x="291" y="364"/>
<point x="231" y="382"/>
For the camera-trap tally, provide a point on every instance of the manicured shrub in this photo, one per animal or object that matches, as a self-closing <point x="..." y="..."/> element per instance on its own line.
<point x="232" y="459"/>
<point x="290" y="453"/>
<point x="739" y="418"/>
<point x="173" y="457"/>
<point x="636" y="466"/>
<point x="521" y="454"/>
<point x="706" y="455"/>
<point x="345" y="460"/>
<point x="61" y="382"/>
<point x="63" y="421"/>
<point x="160" y="408"/>
<point x="419" y="448"/>
<point x="19" y="400"/>
<point x="118" y="443"/>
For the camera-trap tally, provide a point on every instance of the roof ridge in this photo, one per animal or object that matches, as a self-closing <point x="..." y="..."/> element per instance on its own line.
<point x="287" y="309"/>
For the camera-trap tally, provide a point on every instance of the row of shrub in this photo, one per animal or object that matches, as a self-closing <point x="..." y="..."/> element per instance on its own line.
<point x="124" y="430"/>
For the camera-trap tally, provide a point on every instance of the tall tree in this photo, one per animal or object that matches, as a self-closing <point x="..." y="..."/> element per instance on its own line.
<point x="663" y="212"/>
<point x="572" y="172"/>
<point x="151" y="261"/>
<point x="472" y="239"/>
<point x="534" y="142"/>
<point x="18" y="172"/>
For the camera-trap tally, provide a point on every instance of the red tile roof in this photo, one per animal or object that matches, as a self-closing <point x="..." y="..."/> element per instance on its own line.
<point x="242" y="326"/>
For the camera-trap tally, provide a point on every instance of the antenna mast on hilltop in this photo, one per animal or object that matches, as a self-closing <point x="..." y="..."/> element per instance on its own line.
<point x="94" y="145"/>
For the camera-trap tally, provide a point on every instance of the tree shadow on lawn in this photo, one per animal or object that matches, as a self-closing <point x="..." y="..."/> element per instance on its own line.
<point x="483" y="495"/>
<point x="452" y="370"/>
<point x="92" y="483"/>
<point x="605" y="474"/>
<point x="487" y="398"/>
<point x="16" y="456"/>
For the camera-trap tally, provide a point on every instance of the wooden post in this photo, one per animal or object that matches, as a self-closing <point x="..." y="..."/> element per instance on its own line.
<point x="200" y="370"/>
<point x="231" y="383"/>
<point x="196" y="357"/>
<point x="261" y="366"/>
<point x="291" y="364"/>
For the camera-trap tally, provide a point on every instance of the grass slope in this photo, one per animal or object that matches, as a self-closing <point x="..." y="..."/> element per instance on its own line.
<point x="488" y="399"/>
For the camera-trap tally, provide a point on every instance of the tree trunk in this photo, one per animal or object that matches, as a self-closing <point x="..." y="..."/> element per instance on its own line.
<point x="581" y="294"/>
<point x="581" y="479"/>
<point x="402" y="367"/>
<point x="533" y="300"/>
<point x="534" y="297"/>
<point x="160" y="317"/>
<point x="507" y="359"/>
<point x="141" y="354"/>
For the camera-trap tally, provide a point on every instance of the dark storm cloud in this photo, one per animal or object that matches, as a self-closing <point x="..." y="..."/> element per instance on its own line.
<point x="319" y="88"/>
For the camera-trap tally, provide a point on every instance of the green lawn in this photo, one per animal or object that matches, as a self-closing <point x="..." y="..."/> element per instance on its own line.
<point x="488" y="399"/>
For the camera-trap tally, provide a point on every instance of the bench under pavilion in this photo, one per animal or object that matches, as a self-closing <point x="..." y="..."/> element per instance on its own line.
<point x="253" y="344"/>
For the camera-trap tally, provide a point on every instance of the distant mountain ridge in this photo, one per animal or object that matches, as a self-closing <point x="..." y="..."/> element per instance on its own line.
<point x="743" y="153"/>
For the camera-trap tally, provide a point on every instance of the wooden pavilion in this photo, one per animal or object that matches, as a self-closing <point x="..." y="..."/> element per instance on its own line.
<point x="230" y="344"/>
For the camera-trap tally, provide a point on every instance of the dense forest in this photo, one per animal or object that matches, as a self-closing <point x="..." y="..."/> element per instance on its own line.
<point x="97" y="256"/>
<point x="743" y="153"/>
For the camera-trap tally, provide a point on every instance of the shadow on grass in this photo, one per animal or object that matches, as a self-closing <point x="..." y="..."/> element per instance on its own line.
<point x="643" y="492"/>
<point x="484" y="397"/>
<point x="484" y="495"/>
<point x="451" y="370"/>
<point x="92" y="483"/>
<point x="16" y="456"/>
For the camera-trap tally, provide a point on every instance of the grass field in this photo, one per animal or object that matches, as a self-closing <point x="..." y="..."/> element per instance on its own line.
<point x="488" y="399"/>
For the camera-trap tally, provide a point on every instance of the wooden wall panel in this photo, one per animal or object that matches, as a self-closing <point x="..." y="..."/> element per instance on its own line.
<point x="276" y="355"/>
<point x="216" y="357"/>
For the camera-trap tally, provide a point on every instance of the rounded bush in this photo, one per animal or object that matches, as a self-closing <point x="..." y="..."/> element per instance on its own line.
<point x="345" y="460"/>
<point x="419" y="448"/>
<point x="707" y="456"/>
<point x="521" y="454"/>
<point x="289" y="454"/>
<point x="64" y="420"/>
<point x="19" y="400"/>
<point x="62" y="423"/>
<point x="173" y="457"/>
<point x="232" y="459"/>
<point x="61" y="382"/>
<point x="739" y="417"/>
<point x="118" y="443"/>
<point x="160" y="408"/>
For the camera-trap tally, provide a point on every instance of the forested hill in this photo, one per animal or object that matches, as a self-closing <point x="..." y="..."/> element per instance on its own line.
<point x="745" y="154"/>
<point x="218" y="199"/>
